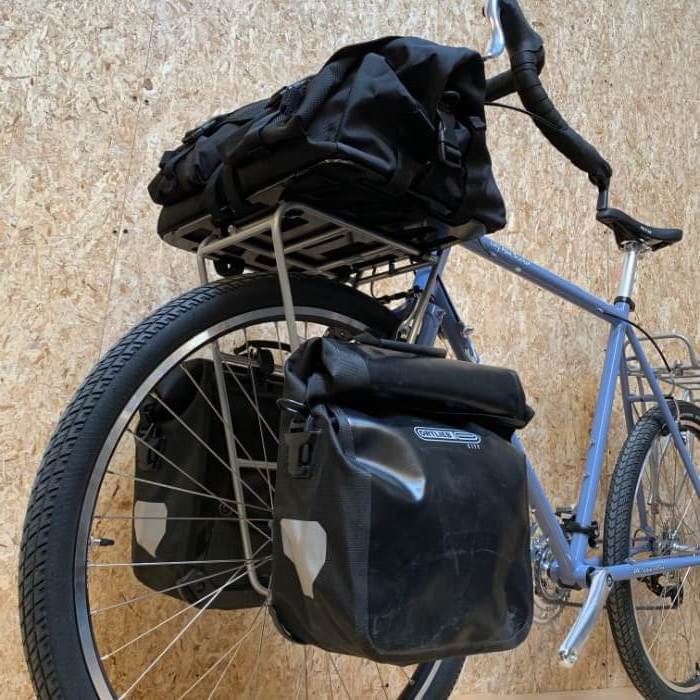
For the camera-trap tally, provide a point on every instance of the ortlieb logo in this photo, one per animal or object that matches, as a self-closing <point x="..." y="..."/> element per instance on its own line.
<point x="462" y="437"/>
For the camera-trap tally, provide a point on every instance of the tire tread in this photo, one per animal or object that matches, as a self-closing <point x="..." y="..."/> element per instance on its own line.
<point x="618" y="515"/>
<point x="55" y="476"/>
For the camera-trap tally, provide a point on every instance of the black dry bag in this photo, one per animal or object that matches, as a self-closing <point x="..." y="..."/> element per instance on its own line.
<point x="401" y="512"/>
<point x="388" y="131"/>
<point x="186" y="539"/>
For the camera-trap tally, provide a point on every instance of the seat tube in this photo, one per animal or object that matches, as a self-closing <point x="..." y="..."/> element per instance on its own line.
<point x="595" y="456"/>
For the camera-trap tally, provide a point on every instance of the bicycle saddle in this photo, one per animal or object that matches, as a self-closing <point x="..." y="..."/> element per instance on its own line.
<point x="627" y="230"/>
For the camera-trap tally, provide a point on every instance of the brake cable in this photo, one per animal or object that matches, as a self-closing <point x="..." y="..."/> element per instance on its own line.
<point x="532" y="115"/>
<point x="649" y="337"/>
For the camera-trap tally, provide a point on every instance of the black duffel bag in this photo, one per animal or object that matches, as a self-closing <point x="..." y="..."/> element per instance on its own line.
<point x="397" y="124"/>
<point x="401" y="512"/>
<point x="180" y="454"/>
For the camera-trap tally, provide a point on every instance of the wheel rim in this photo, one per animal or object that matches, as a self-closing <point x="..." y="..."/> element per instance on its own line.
<point x="335" y="675"/>
<point x="665" y="522"/>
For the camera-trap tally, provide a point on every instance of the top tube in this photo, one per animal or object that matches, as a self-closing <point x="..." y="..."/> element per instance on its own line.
<point x="508" y="259"/>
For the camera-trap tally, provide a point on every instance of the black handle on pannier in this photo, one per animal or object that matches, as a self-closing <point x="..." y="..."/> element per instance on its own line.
<point x="525" y="49"/>
<point x="369" y="339"/>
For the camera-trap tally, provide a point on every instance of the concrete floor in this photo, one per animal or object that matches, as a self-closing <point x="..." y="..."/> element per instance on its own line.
<point x="610" y="694"/>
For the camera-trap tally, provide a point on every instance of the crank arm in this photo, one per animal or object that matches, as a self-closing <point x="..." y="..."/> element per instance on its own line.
<point x="601" y="585"/>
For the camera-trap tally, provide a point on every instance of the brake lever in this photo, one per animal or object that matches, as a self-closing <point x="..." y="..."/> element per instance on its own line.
<point x="497" y="43"/>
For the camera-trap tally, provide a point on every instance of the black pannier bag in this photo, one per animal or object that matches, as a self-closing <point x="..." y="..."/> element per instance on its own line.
<point x="174" y="524"/>
<point x="387" y="131"/>
<point x="401" y="523"/>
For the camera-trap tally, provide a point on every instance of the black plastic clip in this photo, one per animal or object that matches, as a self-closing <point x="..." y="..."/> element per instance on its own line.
<point x="572" y="527"/>
<point x="298" y="444"/>
<point x="449" y="153"/>
<point x="150" y="435"/>
<point x="202" y="130"/>
<point x="298" y="439"/>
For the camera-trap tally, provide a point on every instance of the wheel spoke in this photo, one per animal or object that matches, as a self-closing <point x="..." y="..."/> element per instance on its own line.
<point x="233" y="649"/>
<point x="170" y="487"/>
<point x="254" y="678"/>
<point x="201" y="391"/>
<point x="173" y="465"/>
<point x="342" y="682"/>
<point x="272" y="433"/>
<point x="249" y="461"/>
<point x="211" y="451"/>
<point x="153" y="628"/>
<point x="328" y="673"/>
<point x="212" y="597"/>
<point x="160" y="591"/>
<point x="179" y="517"/>
<point x="668" y="609"/>
<point x="303" y="674"/>
<point x="113" y="565"/>
<point x="381" y="681"/>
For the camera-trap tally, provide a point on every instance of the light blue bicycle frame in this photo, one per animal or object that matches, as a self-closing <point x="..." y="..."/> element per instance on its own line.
<point x="571" y="566"/>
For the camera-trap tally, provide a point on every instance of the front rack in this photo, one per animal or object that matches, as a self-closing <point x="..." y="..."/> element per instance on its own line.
<point x="683" y="380"/>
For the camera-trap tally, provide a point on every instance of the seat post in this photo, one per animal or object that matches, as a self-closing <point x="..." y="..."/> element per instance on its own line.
<point x="629" y="271"/>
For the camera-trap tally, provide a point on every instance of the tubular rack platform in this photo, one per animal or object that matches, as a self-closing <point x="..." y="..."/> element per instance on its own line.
<point x="683" y="381"/>
<point x="318" y="242"/>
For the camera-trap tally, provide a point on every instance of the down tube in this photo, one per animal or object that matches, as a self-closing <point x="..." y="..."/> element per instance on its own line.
<point x="599" y="440"/>
<point x="564" y="569"/>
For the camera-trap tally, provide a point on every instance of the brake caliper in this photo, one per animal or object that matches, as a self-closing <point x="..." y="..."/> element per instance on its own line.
<point x="675" y="593"/>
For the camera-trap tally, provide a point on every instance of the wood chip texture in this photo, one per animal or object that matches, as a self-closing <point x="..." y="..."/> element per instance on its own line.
<point x="92" y="93"/>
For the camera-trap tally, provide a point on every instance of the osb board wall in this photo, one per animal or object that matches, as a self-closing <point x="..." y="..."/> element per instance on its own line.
<point x="91" y="93"/>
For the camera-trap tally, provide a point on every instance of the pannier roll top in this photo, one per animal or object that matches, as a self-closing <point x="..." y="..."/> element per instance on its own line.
<point x="407" y="377"/>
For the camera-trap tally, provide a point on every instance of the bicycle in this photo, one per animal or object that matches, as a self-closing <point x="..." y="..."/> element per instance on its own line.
<point x="80" y="637"/>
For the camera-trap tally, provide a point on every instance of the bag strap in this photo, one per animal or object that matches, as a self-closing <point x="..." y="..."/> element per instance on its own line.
<point x="399" y="183"/>
<point x="368" y="339"/>
<point x="222" y="182"/>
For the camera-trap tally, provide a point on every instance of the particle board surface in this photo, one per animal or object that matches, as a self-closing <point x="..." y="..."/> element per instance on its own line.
<point x="92" y="93"/>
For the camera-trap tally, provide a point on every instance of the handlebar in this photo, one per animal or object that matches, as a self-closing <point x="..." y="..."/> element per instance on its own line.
<point x="526" y="52"/>
<point x="502" y="85"/>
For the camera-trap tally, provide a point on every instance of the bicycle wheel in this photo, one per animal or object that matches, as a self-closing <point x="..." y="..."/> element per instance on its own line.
<point x="653" y="511"/>
<point x="91" y="628"/>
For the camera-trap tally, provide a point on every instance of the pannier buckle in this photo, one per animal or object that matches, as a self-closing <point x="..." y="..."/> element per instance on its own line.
<point x="448" y="150"/>
<point x="297" y="439"/>
<point x="202" y="130"/>
<point x="298" y="453"/>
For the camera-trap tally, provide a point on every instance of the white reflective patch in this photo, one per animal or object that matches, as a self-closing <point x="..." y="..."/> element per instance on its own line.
<point x="304" y="543"/>
<point x="149" y="524"/>
<point x="471" y="440"/>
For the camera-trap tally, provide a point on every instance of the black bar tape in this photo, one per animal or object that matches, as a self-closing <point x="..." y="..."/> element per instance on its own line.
<point x="502" y="85"/>
<point x="524" y="45"/>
